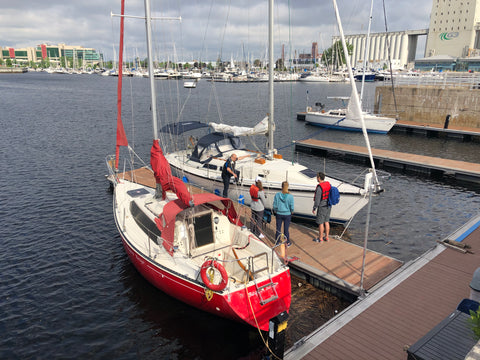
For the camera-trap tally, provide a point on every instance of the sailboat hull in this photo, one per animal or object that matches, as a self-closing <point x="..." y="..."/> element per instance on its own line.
<point x="175" y="276"/>
<point x="337" y="119"/>
<point x="352" y="198"/>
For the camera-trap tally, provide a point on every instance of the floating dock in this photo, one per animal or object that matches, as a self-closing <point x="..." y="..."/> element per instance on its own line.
<point x="401" y="310"/>
<point x="387" y="159"/>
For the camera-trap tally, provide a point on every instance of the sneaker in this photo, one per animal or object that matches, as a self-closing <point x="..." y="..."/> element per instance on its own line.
<point x="261" y="236"/>
<point x="326" y="238"/>
<point x="317" y="240"/>
<point x="289" y="244"/>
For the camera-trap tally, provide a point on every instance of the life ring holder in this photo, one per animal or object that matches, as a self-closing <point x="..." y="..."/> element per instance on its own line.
<point x="206" y="278"/>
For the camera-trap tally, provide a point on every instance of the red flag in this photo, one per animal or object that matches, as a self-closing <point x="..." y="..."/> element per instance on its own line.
<point x="121" y="136"/>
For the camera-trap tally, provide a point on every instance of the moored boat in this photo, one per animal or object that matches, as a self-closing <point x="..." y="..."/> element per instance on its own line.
<point x="193" y="246"/>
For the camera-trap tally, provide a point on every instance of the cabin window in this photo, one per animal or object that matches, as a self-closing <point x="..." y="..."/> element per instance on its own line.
<point x="210" y="166"/>
<point x="203" y="230"/>
<point x="148" y="226"/>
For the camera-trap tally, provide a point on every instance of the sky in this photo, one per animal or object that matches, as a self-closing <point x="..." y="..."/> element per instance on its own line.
<point x="209" y="28"/>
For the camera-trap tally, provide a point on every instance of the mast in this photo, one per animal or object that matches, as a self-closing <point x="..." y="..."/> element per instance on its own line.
<point x="270" y="79"/>
<point x="366" y="53"/>
<point x="153" y="93"/>
<point x="355" y="98"/>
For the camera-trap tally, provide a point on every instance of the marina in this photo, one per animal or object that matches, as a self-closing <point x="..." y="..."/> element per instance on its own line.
<point x="146" y="258"/>
<point x="101" y="296"/>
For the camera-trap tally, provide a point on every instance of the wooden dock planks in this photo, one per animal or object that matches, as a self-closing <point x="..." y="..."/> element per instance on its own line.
<point x="385" y="323"/>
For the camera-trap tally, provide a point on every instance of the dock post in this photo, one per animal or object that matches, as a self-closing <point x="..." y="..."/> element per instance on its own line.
<point x="276" y="334"/>
<point x="447" y="120"/>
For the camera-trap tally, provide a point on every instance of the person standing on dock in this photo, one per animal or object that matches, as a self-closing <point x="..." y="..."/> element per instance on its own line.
<point x="257" y="206"/>
<point x="228" y="171"/>
<point x="320" y="205"/>
<point x="283" y="205"/>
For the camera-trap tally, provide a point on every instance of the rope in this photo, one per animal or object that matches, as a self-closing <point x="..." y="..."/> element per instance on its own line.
<point x="256" y="322"/>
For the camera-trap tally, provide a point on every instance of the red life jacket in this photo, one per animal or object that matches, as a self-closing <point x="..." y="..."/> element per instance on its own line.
<point x="254" y="192"/>
<point x="325" y="186"/>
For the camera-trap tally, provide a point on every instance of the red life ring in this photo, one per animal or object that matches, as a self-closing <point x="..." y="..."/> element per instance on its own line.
<point x="205" y="278"/>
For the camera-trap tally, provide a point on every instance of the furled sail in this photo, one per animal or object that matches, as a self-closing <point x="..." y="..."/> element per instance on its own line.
<point x="164" y="177"/>
<point x="260" y="129"/>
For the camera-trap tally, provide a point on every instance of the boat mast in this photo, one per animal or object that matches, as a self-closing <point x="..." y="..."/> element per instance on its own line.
<point x="356" y="100"/>
<point x="270" y="80"/>
<point x="366" y="53"/>
<point x="153" y="93"/>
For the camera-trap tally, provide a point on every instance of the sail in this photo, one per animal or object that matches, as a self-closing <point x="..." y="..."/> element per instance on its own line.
<point x="353" y="112"/>
<point x="164" y="177"/>
<point x="260" y="129"/>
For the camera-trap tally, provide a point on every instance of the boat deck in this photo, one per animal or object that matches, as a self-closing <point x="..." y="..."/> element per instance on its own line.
<point x="335" y="264"/>
<point x="411" y="302"/>
<point x="397" y="160"/>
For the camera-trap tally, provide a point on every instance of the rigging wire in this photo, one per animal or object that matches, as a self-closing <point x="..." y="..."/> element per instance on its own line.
<point x="390" y="59"/>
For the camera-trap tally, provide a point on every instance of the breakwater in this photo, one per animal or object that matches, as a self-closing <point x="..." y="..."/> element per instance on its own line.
<point x="10" y="70"/>
<point x="431" y="104"/>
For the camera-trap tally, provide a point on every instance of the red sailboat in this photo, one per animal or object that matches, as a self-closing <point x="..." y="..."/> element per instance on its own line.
<point x="193" y="246"/>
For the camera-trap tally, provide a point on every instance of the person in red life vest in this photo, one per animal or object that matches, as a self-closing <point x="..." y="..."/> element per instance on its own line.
<point x="320" y="205"/>
<point x="257" y="206"/>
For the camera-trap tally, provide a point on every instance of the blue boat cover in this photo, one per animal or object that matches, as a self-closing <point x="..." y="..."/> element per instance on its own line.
<point x="178" y="128"/>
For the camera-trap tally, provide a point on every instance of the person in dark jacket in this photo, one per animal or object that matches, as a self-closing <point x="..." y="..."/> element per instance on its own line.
<point x="228" y="171"/>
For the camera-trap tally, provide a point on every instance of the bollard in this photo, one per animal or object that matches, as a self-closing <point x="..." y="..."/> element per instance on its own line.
<point x="447" y="120"/>
<point x="475" y="286"/>
<point x="276" y="334"/>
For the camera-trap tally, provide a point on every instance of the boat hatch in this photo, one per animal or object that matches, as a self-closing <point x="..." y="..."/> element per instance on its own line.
<point x="310" y="173"/>
<point x="144" y="222"/>
<point x="203" y="230"/>
<point x="138" y="192"/>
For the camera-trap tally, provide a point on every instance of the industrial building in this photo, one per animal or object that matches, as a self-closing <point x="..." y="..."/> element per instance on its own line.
<point x="452" y="41"/>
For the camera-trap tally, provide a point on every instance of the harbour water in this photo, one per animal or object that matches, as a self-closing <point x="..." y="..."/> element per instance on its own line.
<point x="68" y="289"/>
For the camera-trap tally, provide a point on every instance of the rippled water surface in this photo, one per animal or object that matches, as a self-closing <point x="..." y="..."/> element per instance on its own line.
<point x="67" y="288"/>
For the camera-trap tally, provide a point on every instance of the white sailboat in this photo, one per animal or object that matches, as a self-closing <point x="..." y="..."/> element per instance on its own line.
<point x="202" y="165"/>
<point x="348" y="118"/>
<point x="193" y="246"/>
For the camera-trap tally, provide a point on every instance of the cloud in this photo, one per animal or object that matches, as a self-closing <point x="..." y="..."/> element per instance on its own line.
<point x="208" y="28"/>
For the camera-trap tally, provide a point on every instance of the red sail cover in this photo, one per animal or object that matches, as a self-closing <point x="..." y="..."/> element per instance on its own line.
<point x="164" y="177"/>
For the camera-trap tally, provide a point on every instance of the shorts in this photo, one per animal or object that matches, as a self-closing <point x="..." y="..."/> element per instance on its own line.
<point x="323" y="214"/>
